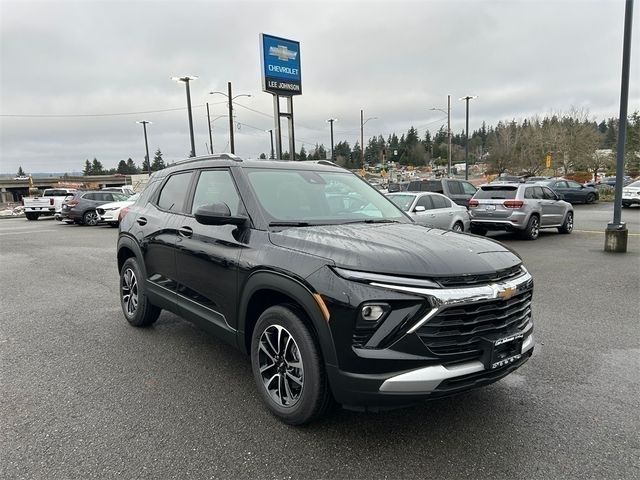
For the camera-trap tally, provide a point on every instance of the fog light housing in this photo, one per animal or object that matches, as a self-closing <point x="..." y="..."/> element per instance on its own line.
<point x="372" y="312"/>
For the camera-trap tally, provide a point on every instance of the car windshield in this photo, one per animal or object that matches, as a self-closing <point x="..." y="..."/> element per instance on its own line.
<point x="498" y="192"/>
<point x="403" y="201"/>
<point x="635" y="184"/>
<point x="319" y="197"/>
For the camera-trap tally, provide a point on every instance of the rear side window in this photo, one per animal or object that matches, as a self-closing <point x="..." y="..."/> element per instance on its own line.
<point x="497" y="192"/>
<point x="455" y="188"/>
<point x="89" y="196"/>
<point x="426" y="186"/>
<point x="440" y="202"/>
<point x="174" y="192"/>
<point x="468" y="188"/>
<point x="425" y="201"/>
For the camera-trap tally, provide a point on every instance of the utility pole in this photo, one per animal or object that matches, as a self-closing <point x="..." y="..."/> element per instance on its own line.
<point x="146" y="144"/>
<point x="466" y="136"/>
<point x="231" y="140"/>
<point x="616" y="234"/>
<point x="186" y="79"/>
<point x="362" y="138"/>
<point x="209" y="125"/>
<point x="449" y="133"/>
<point x="331" y="120"/>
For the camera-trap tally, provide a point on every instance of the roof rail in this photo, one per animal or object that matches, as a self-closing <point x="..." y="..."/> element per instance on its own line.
<point x="215" y="156"/>
<point x="323" y="162"/>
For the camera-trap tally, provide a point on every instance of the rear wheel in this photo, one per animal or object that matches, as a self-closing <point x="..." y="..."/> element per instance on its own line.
<point x="567" y="225"/>
<point x="136" y="307"/>
<point x="90" y="218"/>
<point x="591" y="198"/>
<point x="458" y="227"/>
<point x="532" y="231"/>
<point x="287" y="366"/>
<point x="31" y="216"/>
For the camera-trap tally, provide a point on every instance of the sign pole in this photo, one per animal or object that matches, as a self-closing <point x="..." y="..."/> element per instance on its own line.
<point x="292" y="140"/>
<point x="277" y="128"/>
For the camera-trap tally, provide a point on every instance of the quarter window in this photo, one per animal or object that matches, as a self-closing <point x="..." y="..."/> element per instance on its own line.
<point x="216" y="186"/>
<point x="174" y="192"/>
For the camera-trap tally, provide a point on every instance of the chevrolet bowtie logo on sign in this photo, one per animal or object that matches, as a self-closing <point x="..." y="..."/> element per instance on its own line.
<point x="280" y="65"/>
<point x="283" y="53"/>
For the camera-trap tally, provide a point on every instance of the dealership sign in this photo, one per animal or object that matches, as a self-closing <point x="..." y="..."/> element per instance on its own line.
<point x="280" y="65"/>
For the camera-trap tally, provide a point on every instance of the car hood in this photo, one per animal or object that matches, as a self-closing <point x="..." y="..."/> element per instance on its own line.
<point x="399" y="249"/>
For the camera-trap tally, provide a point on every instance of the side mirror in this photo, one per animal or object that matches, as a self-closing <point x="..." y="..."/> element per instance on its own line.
<point x="217" y="214"/>
<point x="419" y="209"/>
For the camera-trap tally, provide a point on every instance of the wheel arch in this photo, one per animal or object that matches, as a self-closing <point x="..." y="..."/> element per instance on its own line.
<point x="264" y="289"/>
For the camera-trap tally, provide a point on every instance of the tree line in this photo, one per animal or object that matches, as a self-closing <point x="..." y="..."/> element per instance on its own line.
<point x="125" y="167"/>
<point x="571" y="140"/>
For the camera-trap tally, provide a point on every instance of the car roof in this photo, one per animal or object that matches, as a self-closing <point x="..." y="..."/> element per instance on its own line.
<point x="229" y="160"/>
<point x="495" y="185"/>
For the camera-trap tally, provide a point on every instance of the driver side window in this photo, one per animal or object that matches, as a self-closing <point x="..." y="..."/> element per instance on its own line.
<point x="216" y="186"/>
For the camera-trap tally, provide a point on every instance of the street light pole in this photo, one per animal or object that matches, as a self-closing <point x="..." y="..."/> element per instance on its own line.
<point x="230" y="98"/>
<point x="271" y="135"/>
<point x="362" y="124"/>
<point x="186" y="79"/>
<point x="209" y="125"/>
<point x="448" y="112"/>
<point x="331" y="120"/>
<point x="146" y="144"/>
<point x="466" y="136"/>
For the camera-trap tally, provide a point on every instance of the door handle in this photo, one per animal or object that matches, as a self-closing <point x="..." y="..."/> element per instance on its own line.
<point x="185" y="231"/>
<point x="141" y="221"/>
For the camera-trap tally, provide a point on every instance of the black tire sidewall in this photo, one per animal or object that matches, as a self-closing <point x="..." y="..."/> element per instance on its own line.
<point x="146" y="313"/>
<point x="528" y="232"/>
<point x="308" y="406"/>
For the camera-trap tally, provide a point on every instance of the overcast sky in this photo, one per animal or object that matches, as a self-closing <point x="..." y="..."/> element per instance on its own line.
<point x="393" y="59"/>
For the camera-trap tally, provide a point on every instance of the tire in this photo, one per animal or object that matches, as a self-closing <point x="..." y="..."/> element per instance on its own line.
<point x="31" y="216"/>
<point x="137" y="308"/>
<point x="90" y="218"/>
<point x="478" y="231"/>
<point x="532" y="231"/>
<point x="458" y="227"/>
<point x="291" y="378"/>
<point x="626" y="205"/>
<point x="590" y="198"/>
<point x="567" y="225"/>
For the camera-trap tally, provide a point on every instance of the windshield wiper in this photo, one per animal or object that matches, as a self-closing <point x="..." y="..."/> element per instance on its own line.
<point x="290" y="224"/>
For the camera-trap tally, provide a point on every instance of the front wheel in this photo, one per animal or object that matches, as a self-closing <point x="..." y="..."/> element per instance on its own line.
<point x="567" y="226"/>
<point x="532" y="231"/>
<point x="287" y="366"/>
<point x="136" y="307"/>
<point x="90" y="218"/>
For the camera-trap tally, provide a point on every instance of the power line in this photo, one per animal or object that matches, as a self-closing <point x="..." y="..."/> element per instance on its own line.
<point x="83" y="115"/>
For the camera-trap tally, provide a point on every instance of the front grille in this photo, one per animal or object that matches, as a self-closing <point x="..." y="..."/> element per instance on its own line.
<point x="467" y="280"/>
<point x="455" y="334"/>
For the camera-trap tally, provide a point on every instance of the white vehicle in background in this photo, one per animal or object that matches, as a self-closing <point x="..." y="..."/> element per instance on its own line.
<point x="50" y="203"/>
<point x="126" y="189"/>
<point x="631" y="194"/>
<point x="109" y="212"/>
<point x="433" y="210"/>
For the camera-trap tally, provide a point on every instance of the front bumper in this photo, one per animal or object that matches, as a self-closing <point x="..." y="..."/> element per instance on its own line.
<point x="410" y="366"/>
<point x="631" y="200"/>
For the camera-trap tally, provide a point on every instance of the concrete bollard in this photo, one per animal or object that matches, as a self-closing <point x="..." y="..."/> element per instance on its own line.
<point x="615" y="238"/>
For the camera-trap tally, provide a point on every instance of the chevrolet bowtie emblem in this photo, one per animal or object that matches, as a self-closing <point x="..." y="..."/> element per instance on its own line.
<point x="283" y="53"/>
<point x="506" y="293"/>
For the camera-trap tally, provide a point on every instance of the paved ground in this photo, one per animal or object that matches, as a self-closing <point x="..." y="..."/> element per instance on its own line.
<point x="83" y="395"/>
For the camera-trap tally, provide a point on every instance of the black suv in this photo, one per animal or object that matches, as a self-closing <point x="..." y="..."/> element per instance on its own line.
<point x="332" y="300"/>
<point x="460" y="191"/>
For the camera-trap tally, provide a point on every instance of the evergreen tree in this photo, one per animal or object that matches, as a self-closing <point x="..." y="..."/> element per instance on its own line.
<point x="322" y="152"/>
<point x="96" y="167"/>
<point x="303" y="154"/>
<point x="262" y="156"/>
<point x="87" y="168"/>
<point x="132" y="168"/>
<point x="122" y="167"/>
<point x="21" y="172"/>
<point x="158" y="162"/>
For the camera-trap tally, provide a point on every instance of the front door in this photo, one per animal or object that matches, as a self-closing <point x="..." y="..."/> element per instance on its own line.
<point x="207" y="257"/>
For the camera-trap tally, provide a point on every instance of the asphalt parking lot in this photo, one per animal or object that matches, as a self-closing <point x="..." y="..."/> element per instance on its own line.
<point x="84" y="395"/>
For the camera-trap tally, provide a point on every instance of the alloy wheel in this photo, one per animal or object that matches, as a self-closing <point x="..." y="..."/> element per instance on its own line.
<point x="130" y="292"/>
<point x="535" y="228"/>
<point x="457" y="227"/>
<point x="91" y="218"/>
<point x="569" y="222"/>
<point x="281" y="365"/>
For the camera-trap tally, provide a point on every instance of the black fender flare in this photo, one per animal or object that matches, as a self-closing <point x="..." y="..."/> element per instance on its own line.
<point x="298" y="291"/>
<point x="125" y="241"/>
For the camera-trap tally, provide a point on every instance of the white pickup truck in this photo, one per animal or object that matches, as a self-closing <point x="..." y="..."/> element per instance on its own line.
<point x="50" y="203"/>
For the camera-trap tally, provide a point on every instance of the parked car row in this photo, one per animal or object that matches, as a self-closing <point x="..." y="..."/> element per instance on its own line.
<point x="631" y="194"/>
<point x="92" y="207"/>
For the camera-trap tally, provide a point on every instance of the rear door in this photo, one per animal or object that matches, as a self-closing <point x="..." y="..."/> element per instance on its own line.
<point x="553" y="208"/>
<point x="207" y="256"/>
<point x="455" y="192"/>
<point x="442" y="212"/>
<point x="562" y="188"/>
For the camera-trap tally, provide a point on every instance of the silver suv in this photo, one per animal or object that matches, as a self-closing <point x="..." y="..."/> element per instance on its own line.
<point x="518" y="207"/>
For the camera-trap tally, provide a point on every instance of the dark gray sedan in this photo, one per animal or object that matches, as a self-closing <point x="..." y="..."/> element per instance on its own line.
<point x="571" y="191"/>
